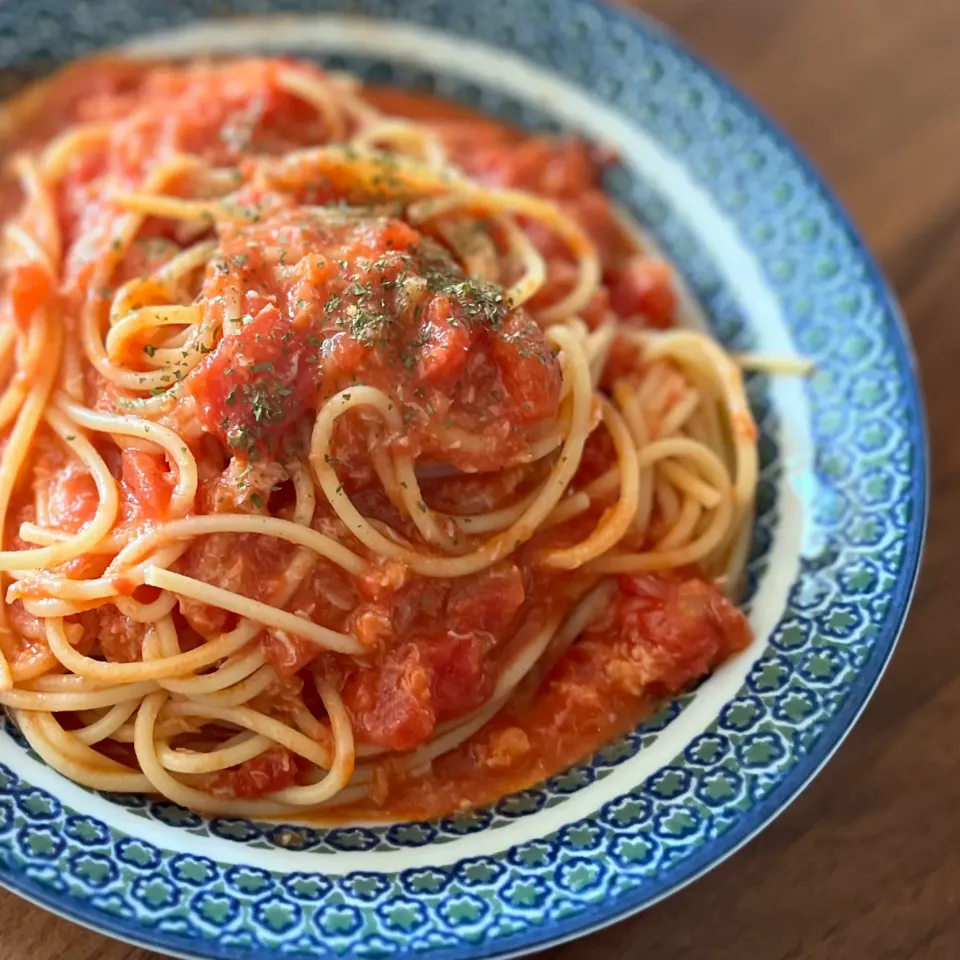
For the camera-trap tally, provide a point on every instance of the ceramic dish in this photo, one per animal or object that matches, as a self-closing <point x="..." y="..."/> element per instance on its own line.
<point x="774" y="265"/>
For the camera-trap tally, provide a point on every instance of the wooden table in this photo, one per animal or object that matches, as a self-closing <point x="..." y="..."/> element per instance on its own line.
<point x="866" y="864"/>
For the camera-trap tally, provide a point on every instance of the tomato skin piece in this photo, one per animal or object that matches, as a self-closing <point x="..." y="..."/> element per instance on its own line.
<point x="145" y="484"/>
<point x="254" y="385"/>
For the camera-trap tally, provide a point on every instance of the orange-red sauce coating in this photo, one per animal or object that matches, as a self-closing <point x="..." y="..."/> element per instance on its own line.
<point x="437" y="646"/>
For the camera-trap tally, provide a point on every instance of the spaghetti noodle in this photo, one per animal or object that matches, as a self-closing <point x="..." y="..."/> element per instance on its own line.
<point x="353" y="464"/>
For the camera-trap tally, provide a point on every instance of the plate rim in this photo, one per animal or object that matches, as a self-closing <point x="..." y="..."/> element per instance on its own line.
<point x="597" y="916"/>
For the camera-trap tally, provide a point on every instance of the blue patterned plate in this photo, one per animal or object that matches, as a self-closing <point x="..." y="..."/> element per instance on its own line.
<point x="773" y="264"/>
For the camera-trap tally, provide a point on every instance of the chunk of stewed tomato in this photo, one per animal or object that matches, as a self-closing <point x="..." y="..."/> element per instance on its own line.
<point x="256" y="382"/>
<point x="644" y="288"/>
<point x="663" y="631"/>
<point x="272" y="770"/>
<point x="527" y="367"/>
<point x="146" y="485"/>
<point x="446" y="342"/>
<point x="419" y="684"/>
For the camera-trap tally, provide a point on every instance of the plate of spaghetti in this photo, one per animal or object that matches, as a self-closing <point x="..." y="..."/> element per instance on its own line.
<point x="460" y="476"/>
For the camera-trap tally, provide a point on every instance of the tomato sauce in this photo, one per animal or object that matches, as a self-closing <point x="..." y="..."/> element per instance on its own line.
<point x="567" y="170"/>
<point x="299" y="308"/>
<point x="323" y="306"/>
<point x="659" y="634"/>
<point x="274" y="769"/>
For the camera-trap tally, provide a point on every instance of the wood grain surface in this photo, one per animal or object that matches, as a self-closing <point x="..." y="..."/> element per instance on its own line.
<point x="866" y="864"/>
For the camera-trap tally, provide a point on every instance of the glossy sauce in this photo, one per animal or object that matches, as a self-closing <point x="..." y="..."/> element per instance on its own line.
<point x="300" y="309"/>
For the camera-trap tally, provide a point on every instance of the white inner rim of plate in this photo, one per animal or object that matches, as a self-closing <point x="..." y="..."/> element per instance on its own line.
<point x="578" y="110"/>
